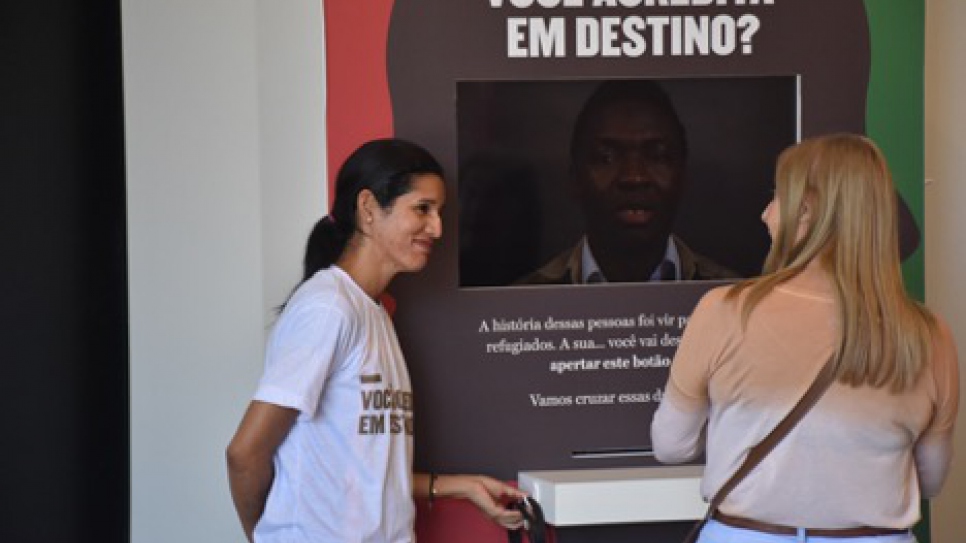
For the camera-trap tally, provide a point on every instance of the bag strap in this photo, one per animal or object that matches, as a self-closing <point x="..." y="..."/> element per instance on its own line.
<point x="535" y="525"/>
<point x="758" y="453"/>
<point x="822" y="381"/>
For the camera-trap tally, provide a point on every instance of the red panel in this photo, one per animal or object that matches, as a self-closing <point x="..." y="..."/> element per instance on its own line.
<point x="455" y="521"/>
<point x="459" y="521"/>
<point x="357" y="86"/>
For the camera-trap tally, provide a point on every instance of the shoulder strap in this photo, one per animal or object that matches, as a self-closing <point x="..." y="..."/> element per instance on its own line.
<point x="765" y="446"/>
<point x="758" y="453"/>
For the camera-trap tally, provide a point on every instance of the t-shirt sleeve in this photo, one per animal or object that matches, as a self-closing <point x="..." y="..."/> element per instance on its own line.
<point x="302" y="351"/>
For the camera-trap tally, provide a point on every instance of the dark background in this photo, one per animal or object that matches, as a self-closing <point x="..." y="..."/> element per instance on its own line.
<point x="472" y="411"/>
<point x="64" y="369"/>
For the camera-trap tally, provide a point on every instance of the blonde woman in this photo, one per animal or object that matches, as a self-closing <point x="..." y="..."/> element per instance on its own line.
<point x="881" y="437"/>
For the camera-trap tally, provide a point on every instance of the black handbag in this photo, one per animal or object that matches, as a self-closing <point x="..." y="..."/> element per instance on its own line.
<point x="534" y="524"/>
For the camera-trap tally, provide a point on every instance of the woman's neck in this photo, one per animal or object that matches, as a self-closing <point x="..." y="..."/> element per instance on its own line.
<point x="371" y="277"/>
<point x="814" y="277"/>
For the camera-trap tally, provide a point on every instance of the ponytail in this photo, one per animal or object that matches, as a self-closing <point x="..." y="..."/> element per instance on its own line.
<point x="326" y="243"/>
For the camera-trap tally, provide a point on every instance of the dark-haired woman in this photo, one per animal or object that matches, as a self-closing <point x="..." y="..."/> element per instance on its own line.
<point x="881" y="437"/>
<point x="324" y="451"/>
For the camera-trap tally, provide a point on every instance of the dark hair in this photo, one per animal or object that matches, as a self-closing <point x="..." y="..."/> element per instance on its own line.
<point x="385" y="167"/>
<point x="625" y="90"/>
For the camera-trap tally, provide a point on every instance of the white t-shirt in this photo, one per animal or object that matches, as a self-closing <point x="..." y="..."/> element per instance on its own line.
<point x="344" y="472"/>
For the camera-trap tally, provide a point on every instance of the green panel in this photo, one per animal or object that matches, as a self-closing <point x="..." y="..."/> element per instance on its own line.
<point x="895" y="114"/>
<point x="922" y="530"/>
<point x="895" y="120"/>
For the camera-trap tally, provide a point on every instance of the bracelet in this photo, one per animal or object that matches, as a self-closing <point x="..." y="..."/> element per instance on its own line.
<point x="432" y="488"/>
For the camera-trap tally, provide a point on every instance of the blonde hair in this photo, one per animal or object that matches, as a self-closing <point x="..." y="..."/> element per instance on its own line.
<point x="843" y="183"/>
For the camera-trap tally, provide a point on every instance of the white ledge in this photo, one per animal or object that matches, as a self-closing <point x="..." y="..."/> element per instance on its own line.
<point x="618" y="495"/>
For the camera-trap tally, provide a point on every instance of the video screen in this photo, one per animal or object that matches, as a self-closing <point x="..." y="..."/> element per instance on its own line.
<point x="559" y="177"/>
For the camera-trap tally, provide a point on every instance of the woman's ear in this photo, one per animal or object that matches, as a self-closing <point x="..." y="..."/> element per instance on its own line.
<point x="805" y="219"/>
<point x="805" y="216"/>
<point x="365" y="207"/>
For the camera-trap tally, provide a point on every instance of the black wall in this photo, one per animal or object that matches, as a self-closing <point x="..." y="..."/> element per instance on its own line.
<point x="64" y="455"/>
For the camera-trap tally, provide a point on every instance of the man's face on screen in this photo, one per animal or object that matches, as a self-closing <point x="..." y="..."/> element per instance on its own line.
<point x="629" y="170"/>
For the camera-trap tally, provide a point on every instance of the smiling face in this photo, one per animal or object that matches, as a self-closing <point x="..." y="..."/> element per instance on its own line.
<point x="404" y="232"/>
<point x="629" y="171"/>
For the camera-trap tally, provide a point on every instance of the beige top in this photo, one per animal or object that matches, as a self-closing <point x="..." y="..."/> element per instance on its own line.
<point x="860" y="457"/>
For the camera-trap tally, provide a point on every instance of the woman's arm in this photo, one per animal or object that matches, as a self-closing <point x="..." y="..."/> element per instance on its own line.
<point x="250" y="458"/>
<point x="678" y="428"/>
<point x="933" y="454"/>
<point x="677" y="434"/>
<point x="486" y="493"/>
<point x="934" y="450"/>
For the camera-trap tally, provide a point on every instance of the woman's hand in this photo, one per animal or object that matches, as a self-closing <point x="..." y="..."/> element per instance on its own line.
<point x="489" y="495"/>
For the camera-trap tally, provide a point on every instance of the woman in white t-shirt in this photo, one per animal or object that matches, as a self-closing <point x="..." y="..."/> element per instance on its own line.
<point x="324" y="451"/>
<point x="881" y="437"/>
